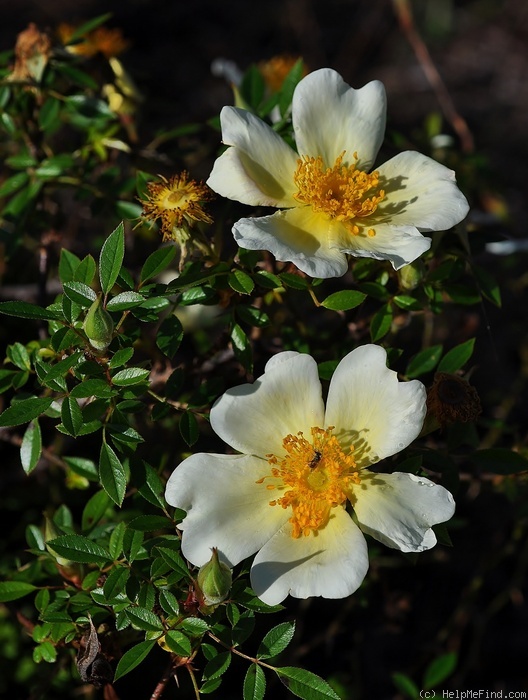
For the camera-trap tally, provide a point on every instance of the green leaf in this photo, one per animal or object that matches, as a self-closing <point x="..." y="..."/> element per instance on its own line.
<point x="19" y="356"/>
<point x="439" y="670"/>
<point x="80" y="293"/>
<point x="61" y="368"/>
<point x="121" y="357"/>
<point x="244" y="627"/>
<point x="194" y="626"/>
<point x="216" y="667"/>
<point x="117" y="539"/>
<point x="342" y="301"/>
<point x="71" y="416"/>
<point x="253" y="316"/>
<point x="124" y="301"/>
<point x="456" y="357"/>
<point x="178" y="643"/>
<point x="144" y="619"/>
<point x="157" y="261"/>
<point x="242" y="347"/>
<point x="499" y="460"/>
<point x="116" y="582"/>
<point x="130" y="376"/>
<point x="13" y="184"/>
<point x="111" y="258"/>
<point x="405" y="685"/>
<point x="85" y="271"/>
<point x="294" y="281"/>
<point x="276" y="640"/>
<point x="174" y="560"/>
<point x="49" y="115"/>
<point x="252" y="87"/>
<point x="112" y="474"/>
<point x="407" y="303"/>
<point x="487" y="284"/>
<point x="31" y="447"/>
<point x="169" y="336"/>
<point x="132" y="658"/>
<point x="305" y="684"/>
<point x="83" y="467"/>
<point x="268" y="279"/>
<point x="189" y="428"/>
<point x="93" y="387"/>
<point x="241" y="282"/>
<point x="22" y="309"/>
<point x="424" y="361"/>
<point x="79" y="549"/>
<point x="149" y="523"/>
<point x="94" y="510"/>
<point x="381" y="323"/>
<point x="24" y="411"/>
<point x="12" y="590"/>
<point x="88" y="26"/>
<point x="169" y="602"/>
<point x="54" y="166"/>
<point x="326" y="369"/>
<point x="288" y="86"/>
<point x="254" y="683"/>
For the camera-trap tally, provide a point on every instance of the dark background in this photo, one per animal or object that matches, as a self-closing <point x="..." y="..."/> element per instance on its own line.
<point x="470" y="598"/>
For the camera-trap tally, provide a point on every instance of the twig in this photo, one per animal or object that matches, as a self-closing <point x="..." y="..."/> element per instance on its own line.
<point x="403" y="11"/>
<point x="162" y="684"/>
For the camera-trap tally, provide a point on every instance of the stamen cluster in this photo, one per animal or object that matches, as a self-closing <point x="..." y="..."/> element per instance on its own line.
<point x="339" y="192"/>
<point x="315" y="476"/>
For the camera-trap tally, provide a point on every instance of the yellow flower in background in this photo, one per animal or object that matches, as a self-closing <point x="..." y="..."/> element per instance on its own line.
<point x="302" y="470"/>
<point x="109" y="42"/>
<point x="331" y="203"/>
<point x="275" y="70"/>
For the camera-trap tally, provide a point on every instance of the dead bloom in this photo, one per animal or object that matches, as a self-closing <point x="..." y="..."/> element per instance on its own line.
<point x="452" y="399"/>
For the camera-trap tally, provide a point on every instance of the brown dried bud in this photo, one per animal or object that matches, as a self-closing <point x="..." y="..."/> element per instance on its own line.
<point x="452" y="399"/>
<point x="32" y="52"/>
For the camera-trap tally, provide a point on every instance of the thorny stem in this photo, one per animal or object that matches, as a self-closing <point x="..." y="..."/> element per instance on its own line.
<point x="194" y="682"/>
<point x="403" y="11"/>
<point x="160" y="687"/>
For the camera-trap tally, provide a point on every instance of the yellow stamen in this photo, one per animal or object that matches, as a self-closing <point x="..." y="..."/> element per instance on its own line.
<point x="314" y="477"/>
<point x="339" y="192"/>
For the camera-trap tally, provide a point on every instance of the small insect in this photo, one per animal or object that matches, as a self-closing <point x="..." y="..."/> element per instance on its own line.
<point x="315" y="459"/>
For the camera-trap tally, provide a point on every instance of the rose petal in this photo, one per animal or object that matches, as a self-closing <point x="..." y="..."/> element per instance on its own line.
<point x="258" y="168"/>
<point x="225" y="506"/>
<point x="398" y="509"/>
<point x="400" y="245"/>
<point x="419" y="192"/>
<point x="331" y="564"/>
<point x="330" y="117"/>
<point x="370" y="408"/>
<point x="295" y="235"/>
<point x="255" y="418"/>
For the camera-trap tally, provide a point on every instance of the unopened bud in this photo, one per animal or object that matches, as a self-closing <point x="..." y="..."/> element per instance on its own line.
<point x="98" y="325"/>
<point x="214" y="580"/>
<point x="411" y="275"/>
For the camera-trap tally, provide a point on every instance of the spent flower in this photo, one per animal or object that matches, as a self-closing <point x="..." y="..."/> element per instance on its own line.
<point x="302" y="471"/>
<point x="178" y="202"/>
<point x="330" y="200"/>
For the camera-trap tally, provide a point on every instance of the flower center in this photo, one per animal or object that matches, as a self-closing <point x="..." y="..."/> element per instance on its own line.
<point x="314" y="477"/>
<point x="343" y="192"/>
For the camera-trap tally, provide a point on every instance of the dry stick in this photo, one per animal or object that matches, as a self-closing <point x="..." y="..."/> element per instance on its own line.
<point x="403" y="12"/>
